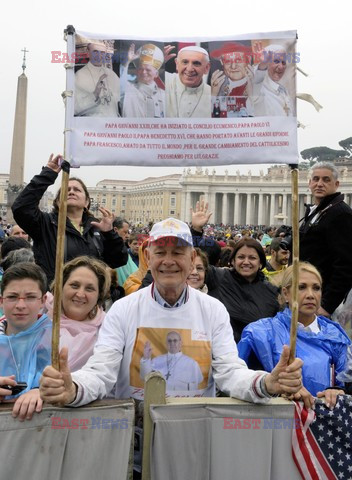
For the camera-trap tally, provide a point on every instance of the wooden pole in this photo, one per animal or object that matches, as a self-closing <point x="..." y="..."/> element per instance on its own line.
<point x="295" y="260"/>
<point x="59" y="264"/>
<point x="60" y="241"/>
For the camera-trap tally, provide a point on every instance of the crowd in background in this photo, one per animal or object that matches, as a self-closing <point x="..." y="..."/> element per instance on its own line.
<point x="245" y="267"/>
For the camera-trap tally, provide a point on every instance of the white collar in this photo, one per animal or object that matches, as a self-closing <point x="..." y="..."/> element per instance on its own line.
<point x="183" y="88"/>
<point x="274" y="86"/>
<point x="150" y="87"/>
<point x="312" y="327"/>
<point x="237" y="83"/>
<point x="95" y="68"/>
<point x="174" y="355"/>
<point x="161" y="301"/>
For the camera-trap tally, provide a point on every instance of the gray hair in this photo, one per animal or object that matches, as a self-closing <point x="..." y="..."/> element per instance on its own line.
<point x="17" y="256"/>
<point x="329" y="166"/>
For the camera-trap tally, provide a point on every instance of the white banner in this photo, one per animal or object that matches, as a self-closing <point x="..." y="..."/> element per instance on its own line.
<point x="182" y="102"/>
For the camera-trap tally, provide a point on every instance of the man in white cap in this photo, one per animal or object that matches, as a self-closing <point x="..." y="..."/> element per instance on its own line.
<point x="271" y="98"/>
<point x="167" y="305"/>
<point x="143" y="97"/>
<point x="97" y="87"/>
<point x="187" y="94"/>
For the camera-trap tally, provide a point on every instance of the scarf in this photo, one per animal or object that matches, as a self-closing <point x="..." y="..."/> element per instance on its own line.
<point x="78" y="336"/>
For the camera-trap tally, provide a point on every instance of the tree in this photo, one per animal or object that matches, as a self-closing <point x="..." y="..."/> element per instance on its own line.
<point x="304" y="165"/>
<point x="347" y="145"/>
<point x="321" y="154"/>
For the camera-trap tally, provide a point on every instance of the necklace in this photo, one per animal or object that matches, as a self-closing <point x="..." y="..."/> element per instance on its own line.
<point x="171" y="366"/>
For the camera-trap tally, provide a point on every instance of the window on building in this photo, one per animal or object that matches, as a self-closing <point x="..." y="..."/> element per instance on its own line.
<point x="172" y="201"/>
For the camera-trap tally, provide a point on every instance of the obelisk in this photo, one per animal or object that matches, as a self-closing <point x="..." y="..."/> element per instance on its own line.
<point x="18" y="140"/>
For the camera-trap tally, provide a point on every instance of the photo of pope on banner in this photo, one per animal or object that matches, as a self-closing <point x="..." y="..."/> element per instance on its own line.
<point x="164" y="93"/>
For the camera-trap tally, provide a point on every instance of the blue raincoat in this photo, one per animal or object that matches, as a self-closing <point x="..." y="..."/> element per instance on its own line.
<point x="263" y="341"/>
<point x="26" y="354"/>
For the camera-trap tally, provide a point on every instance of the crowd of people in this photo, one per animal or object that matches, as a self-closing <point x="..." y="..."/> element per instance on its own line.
<point x="172" y="297"/>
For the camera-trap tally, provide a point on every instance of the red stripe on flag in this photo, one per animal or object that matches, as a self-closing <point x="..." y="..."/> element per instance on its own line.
<point x="320" y="457"/>
<point x="300" y="452"/>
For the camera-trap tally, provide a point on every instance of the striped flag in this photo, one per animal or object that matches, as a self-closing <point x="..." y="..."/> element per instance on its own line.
<point x="321" y="442"/>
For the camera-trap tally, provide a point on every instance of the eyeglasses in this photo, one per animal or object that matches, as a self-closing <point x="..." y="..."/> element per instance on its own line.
<point x="200" y="269"/>
<point x="13" y="299"/>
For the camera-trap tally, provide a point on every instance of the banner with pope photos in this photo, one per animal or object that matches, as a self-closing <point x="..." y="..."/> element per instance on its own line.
<point x="182" y="356"/>
<point x="182" y="102"/>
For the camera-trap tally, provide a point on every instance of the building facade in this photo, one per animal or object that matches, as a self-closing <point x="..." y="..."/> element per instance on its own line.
<point x="253" y="199"/>
<point x="262" y="199"/>
<point x="141" y="202"/>
<point x="234" y="198"/>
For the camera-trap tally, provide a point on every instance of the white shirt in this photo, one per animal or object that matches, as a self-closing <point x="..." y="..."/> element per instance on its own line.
<point x="143" y="101"/>
<point x="86" y="80"/>
<point x="207" y="337"/>
<point x="186" y="102"/>
<point x="272" y="100"/>
<point x="312" y="327"/>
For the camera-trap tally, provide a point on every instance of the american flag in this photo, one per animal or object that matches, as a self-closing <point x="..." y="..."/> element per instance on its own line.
<point x="322" y="441"/>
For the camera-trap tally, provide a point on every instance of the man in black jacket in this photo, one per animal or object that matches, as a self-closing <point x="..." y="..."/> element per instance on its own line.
<point x="326" y="236"/>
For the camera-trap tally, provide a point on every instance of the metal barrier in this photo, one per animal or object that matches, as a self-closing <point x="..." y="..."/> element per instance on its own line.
<point x="215" y="438"/>
<point x="83" y="443"/>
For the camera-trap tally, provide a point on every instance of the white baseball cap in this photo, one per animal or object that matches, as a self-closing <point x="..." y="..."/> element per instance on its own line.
<point x="172" y="227"/>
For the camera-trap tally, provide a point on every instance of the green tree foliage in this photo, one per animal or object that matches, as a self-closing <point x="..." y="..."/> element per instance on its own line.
<point x="321" y="154"/>
<point x="347" y="145"/>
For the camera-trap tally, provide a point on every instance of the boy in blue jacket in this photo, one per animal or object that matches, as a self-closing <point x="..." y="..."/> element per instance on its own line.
<point x="25" y="338"/>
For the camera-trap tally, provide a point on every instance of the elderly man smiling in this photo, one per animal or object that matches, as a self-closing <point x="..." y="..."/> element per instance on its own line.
<point x="168" y="304"/>
<point x="235" y="60"/>
<point x="143" y="97"/>
<point x="187" y="94"/>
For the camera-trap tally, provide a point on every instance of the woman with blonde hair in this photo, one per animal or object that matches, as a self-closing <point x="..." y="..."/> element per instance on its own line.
<point x="321" y="343"/>
<point x="86" y="285"/>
